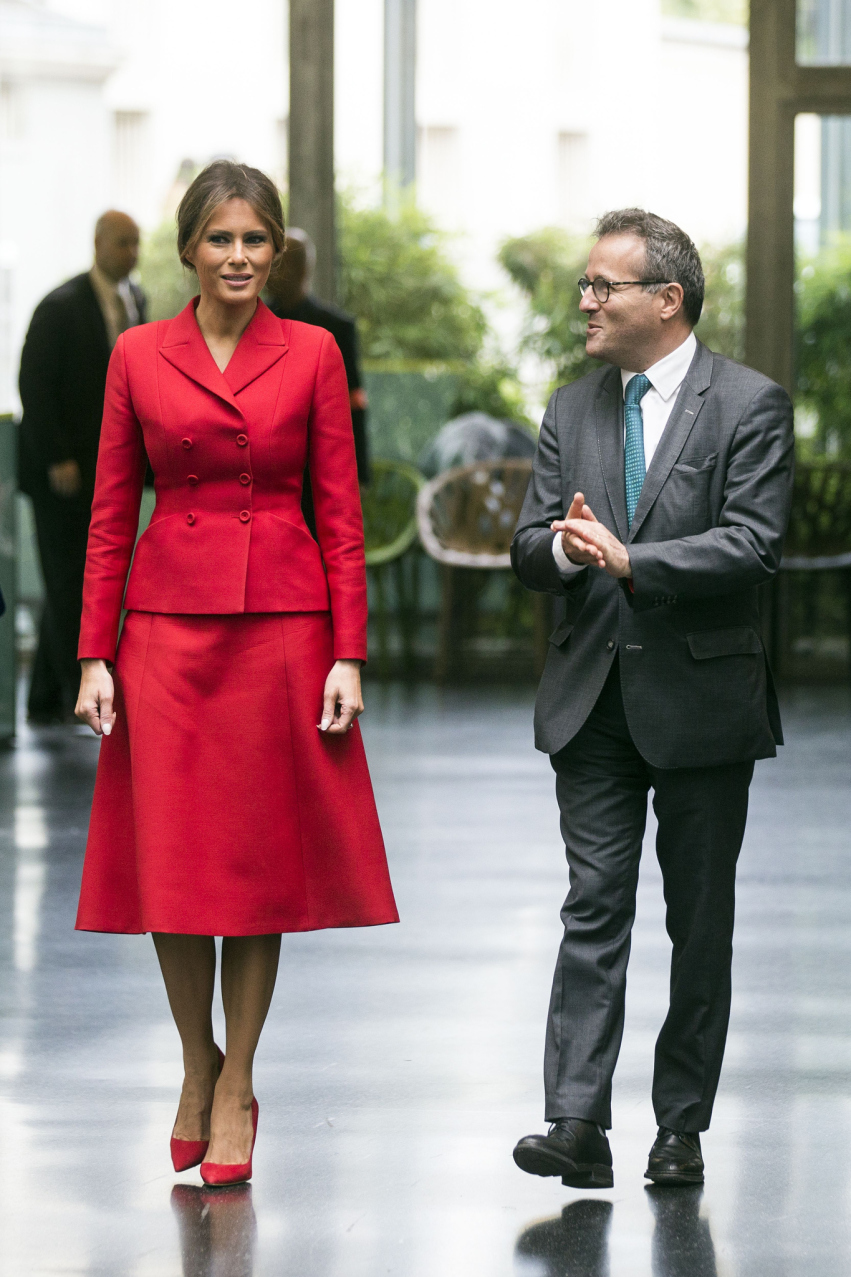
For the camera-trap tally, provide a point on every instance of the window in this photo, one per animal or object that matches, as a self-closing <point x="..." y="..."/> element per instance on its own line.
<point x="572" y="180"/>
<point x="438" y="170"/>
<point x="11" y="111"/>
<point x="130" y="160"/>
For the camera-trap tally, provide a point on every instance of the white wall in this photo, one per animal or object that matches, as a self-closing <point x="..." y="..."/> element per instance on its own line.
<point x="54" y="165"/>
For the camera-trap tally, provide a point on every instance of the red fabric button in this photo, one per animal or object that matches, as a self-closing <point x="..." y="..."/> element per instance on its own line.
<point x="193" y="479"/>
<point x="242" y="440"/>
<point x="190" y="518"/>
<point x="245" y="478"/>
<point x="187" y="443"/>
<point x="244" y="515"/>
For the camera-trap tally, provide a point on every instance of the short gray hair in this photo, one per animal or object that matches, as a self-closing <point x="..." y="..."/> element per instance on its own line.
<point x="669" y="254"/>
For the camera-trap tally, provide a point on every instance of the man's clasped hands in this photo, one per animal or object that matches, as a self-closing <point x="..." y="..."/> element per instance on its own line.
<point x="587" y="542"/>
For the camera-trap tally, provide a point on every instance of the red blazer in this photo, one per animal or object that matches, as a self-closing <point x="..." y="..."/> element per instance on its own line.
<point x="228" y="451"/>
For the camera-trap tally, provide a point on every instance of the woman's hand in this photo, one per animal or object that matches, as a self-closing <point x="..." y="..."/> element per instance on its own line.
<point x="94" y="704"/>
<point x="342" y="701"/>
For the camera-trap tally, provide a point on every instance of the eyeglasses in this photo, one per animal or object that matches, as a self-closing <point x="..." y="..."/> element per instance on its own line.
<point x="602" y="287"/>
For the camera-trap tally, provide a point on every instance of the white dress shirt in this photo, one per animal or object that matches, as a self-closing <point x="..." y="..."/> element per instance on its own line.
<point x="665" y="379"/>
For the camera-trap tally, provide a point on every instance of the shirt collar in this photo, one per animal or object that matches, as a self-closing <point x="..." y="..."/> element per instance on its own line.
<point x="669" y="373"/>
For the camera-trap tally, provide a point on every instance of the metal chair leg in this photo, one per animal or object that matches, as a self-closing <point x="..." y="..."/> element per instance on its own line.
<point x="445" y="627"/>
<point x="381" y="620"/>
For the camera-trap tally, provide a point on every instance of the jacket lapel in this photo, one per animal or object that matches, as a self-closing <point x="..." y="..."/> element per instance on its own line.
<point x="95" y="315"/>
<point x="260" y="347"/>
<point x="609" y="414"/>
<point x="185" y="349"/>
<point x="683" y="416"/>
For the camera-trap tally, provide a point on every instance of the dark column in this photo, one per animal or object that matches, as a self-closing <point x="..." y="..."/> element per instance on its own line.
<point x="771" y="233"/>
<point x="311" y="134"/>
<point x="779" y="90"/>
<point x="400" y="129"/>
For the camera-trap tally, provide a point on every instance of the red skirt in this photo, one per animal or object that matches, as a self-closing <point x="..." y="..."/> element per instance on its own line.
<point x="219" y="808"/>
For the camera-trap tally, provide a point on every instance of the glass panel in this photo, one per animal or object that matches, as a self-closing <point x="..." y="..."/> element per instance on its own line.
<point x="816" y="602"/>
<point x="824" y="32"/>
<point x="822" y="181"/>
<point x="823" y="286"/>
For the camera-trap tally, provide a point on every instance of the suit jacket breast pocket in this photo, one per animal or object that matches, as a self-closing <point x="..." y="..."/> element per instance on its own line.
<point x="689" y="484"/>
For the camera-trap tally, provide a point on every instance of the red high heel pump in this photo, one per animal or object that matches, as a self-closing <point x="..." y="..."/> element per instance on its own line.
<point x="214" y="1173"/>
<point x="188" y="1153"/>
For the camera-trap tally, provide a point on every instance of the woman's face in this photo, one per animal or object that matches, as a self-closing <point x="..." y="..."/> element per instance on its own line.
<point x="234" y="254"/>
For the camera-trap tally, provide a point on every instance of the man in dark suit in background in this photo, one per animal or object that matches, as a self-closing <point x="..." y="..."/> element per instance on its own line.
<point x="62" y="381"/>
<point x="288" y="297"/>
<point x="658" y="503"/>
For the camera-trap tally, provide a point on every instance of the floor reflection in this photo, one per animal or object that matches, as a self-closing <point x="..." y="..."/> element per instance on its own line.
<point x="575" y="1244"/>
<point x="217" y="1230"/>
<point x="682" y="1241"/>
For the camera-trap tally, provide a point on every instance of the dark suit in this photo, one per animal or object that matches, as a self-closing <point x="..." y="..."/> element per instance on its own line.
<point x="63" y="375"/>
<point x="343" y="329"/>
<point x="660" y="685"/>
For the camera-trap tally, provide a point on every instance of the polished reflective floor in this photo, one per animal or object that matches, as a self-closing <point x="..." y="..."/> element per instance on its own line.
<point x="400" y="1064"/>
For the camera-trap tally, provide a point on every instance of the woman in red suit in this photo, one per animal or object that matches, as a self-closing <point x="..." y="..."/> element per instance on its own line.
<point x="232" y="794"/>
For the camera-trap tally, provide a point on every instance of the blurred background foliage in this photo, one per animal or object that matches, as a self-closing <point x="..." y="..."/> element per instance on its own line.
<point x="546" y="266"/>
<point x="167" y="285"/>
<point x="397" y="276"/>
<point x="735" y="11"/>
<point x="823" y="383"/>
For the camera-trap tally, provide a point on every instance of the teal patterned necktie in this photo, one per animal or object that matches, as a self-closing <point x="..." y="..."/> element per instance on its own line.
<point x="633" y="449"/>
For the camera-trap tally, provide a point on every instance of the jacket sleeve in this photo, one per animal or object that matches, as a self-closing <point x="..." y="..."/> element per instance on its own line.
<point x="43" y="360"/>
<point x="336" y="501"/>
<point x="115" y="514"/>
<point x="745" y="548"/>
<point x="532" y="546"/>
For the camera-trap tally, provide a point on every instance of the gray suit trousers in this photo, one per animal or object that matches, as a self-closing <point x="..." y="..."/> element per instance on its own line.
<point x="602" y="783"/>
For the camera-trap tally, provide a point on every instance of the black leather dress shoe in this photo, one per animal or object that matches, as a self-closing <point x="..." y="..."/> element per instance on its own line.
<point x="675" y="1158"/>
<point x="576" y="1150"/>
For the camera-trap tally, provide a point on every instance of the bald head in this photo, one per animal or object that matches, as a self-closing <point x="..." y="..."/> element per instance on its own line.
<point x="116" y="244"/>
<point x="290" y="279"/>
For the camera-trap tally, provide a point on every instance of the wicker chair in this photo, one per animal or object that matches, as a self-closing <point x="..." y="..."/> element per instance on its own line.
<point x="466" y="520"/>
<point x="819" y="540"/>
<point x="390" y="530"/>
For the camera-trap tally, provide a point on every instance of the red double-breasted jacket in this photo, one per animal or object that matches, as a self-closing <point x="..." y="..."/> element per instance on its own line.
<point x="228" y="451"/>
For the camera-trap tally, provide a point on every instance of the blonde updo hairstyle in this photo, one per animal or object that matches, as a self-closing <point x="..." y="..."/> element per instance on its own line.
<point x="220" y="181"/>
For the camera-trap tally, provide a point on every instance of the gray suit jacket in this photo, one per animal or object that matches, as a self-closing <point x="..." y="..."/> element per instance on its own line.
<point x="708" y="529"/>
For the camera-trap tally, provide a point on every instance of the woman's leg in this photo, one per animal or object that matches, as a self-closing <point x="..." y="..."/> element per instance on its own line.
<point x="249" y="969"/>
<point x="188" y="964"/>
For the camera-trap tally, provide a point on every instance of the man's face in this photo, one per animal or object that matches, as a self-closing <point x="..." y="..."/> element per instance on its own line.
<point x="627" y="326"/>
<point x="117" y="246"/>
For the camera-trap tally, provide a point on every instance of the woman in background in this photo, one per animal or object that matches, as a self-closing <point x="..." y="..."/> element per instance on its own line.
<point x="232" y="795"/>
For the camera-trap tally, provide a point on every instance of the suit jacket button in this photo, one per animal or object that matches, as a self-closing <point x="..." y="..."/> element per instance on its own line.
<point x="187" y="443"/>
<point x="193" y="479"/>
<point x="611" y="645"/>
<point x="242" y="440"/>
<point x="190" y="518"/>
<point x="244" y="515"/>
<point x="245" y="478"/>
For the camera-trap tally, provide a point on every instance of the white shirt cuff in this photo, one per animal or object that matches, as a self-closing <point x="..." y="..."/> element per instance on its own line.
<point x="563" y="563"/>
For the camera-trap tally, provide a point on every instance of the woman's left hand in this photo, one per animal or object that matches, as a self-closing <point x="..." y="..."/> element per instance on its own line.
<point x="342" y="702"/>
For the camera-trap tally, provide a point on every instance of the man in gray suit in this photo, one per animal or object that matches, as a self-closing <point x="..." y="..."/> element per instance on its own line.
<point x="658" y="504"/>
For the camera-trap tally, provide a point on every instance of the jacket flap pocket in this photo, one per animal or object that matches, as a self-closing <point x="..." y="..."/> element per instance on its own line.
<point x="696" y="465"/>
<point x="561" y="632"/>
<point x="739" y="641"/>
